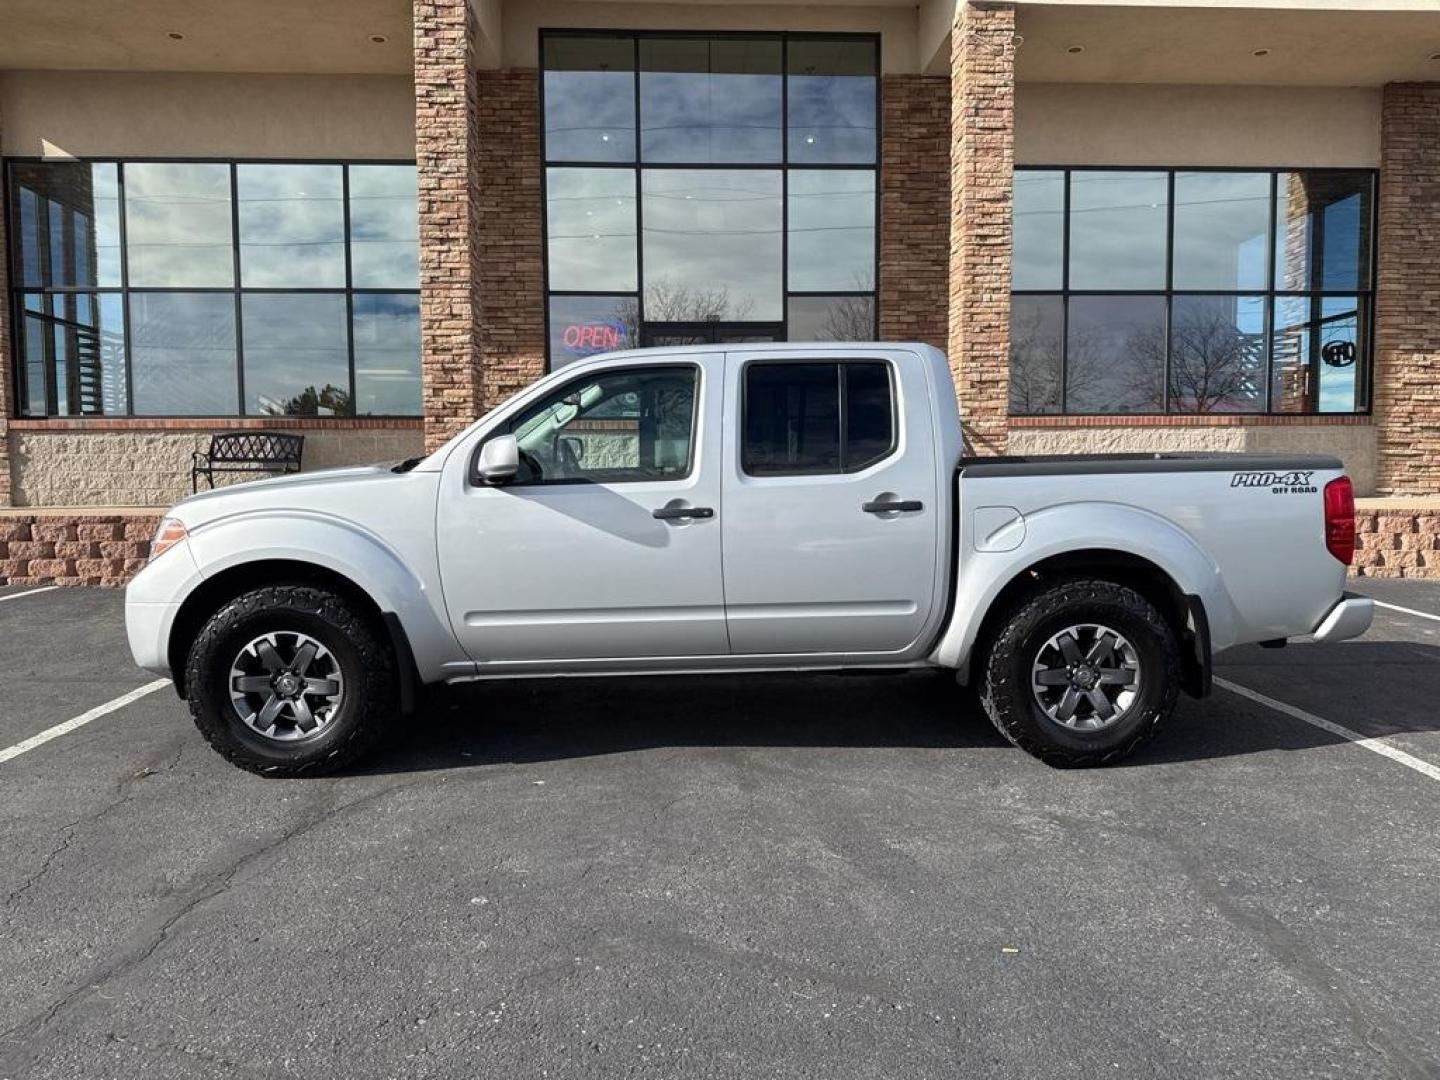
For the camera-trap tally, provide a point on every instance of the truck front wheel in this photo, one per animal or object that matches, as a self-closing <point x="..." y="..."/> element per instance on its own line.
<point x="291" y="679"/>
<point x="1081" y="672"/>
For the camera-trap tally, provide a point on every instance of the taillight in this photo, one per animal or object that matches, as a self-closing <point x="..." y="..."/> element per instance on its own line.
<point x="1340" y="519"/>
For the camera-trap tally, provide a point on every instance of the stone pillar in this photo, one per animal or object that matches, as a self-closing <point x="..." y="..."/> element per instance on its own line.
<point x="982" y="165"/>
<point x="448" y="182"/>
<point x="7" y="357"/>
<point x="915" y="209"/>
<point x="1407" y="321"/>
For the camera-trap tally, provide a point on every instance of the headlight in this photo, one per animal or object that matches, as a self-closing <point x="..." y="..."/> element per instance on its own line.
<point x="169" y="533"/>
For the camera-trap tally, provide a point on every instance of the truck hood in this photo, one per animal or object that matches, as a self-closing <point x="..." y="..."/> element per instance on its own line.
<point x="278" y="489"/>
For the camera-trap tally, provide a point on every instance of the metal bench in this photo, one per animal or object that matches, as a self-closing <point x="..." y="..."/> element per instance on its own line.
<point x="247" y="451"/>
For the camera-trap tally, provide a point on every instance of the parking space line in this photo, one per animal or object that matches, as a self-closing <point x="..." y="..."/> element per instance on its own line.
<point x="27" y="592"/>
<point x="1424" y="768"/>
<point x="1406" y="610"/>
<point x="84" y="718"/>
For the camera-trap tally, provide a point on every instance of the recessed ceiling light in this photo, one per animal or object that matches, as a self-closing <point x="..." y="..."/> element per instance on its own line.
<point x="1073" y="49"/>
<point x="379" y="39"/>
<point x="1261" y="52"/>
<point x="175" y="35"/>
<point x="1434" y="56"/>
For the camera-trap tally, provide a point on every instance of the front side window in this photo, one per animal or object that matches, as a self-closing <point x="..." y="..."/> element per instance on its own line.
<point x="215" y="288"/>
<point x="619" y="426"/>
<point x="816" y="417"/>
<point x="1216" y="291"/>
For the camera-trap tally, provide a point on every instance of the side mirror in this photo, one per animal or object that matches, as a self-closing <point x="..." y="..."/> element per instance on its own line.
<point x="499" y="460"/>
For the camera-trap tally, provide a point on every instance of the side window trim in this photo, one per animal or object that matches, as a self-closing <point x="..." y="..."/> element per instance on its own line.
<point x="842" y="391"/>
<point x="507" y="427"/>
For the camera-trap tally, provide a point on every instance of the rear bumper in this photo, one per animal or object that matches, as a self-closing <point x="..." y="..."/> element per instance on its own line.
<point x="1347" y="619"/>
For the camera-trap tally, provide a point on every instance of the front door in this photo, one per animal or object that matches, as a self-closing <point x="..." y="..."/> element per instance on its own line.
<point x="607" y="542"/>
<point x="668" y="335"/>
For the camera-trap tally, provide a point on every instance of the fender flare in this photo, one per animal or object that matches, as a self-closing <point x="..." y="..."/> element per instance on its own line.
<point x="1075" y="527"/>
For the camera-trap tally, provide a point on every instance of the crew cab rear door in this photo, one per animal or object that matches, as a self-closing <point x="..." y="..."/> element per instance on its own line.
<point x="832" y="514"/>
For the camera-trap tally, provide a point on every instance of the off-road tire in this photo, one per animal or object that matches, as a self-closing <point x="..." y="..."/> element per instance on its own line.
<point x="359" y="646"/>
<point x="1005" y="677"/>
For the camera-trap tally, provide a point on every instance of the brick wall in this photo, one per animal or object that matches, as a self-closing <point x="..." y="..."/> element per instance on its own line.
<point x="915" y="209"/>
<point x="448" y="182"/>
<point x="508" y="224"/>
<point x="7" y="372"/>
<point x="100" y="549"/>
<point x="1407" y="326"/>
<point x="982" y="161"/>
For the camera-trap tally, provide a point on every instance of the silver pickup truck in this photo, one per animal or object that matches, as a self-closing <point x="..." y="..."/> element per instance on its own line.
<point x="737" y="508"/>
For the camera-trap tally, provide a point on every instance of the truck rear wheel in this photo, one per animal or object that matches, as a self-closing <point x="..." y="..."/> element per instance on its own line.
<point x="1081" y="672"/>
<point x="290" y="680"/>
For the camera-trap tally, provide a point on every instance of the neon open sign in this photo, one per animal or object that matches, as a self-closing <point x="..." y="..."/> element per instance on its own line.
<point x="593" y="337"/>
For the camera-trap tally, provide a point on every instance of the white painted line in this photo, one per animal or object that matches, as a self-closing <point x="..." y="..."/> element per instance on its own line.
<point x="1406" y="610"/>
<point x="80" y="721"/>
<point x="27" y="592"/>
<point x="1379" y="746"/>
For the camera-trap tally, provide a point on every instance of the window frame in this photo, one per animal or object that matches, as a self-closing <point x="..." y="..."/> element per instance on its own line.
<point x="637" y="166"/>
<point x="506" y="426"/>
<point x="842" y="416"/>
<point x="1269" y="293"/>
<point x="17" y="291"/>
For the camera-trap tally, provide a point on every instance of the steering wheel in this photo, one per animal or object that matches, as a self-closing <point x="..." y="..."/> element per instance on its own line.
<point x="532" y="465"/>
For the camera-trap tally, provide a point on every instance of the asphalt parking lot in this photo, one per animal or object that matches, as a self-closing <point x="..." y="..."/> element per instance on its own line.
<point x="736" y="877"/>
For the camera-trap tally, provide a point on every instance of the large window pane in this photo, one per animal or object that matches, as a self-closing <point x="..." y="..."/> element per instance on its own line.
<point x="1320" y="356"/>
<point x="831" y="95"/>
<point x="589" y="99"/>
<point x="76" y="341"/>
<point x="296" y="354"/>
<point x="384" y="227"/>
<point x="1036" y="340"/>
<point x="387" y="354"/>
<point x="712" y="244"/>
<point x="177" y="225"/>
<point x="590" y="229"/>
<point x="1117" y="229"/>
<point x="582" y="326"/>
<point x="1322" y="230"/>
<point x="182" y="354"/>
<point x="1115" y="359"/>
<point x="1217" y="354"/>
<point x="831" y="318"/>
<point x="292" y="226"/>
<point x="707" y="101"/>
<point x="1039" y="261"/>
<point x="832" y="230"/>
<point x="1222" y="227"/>
<point x="65" y="223"/>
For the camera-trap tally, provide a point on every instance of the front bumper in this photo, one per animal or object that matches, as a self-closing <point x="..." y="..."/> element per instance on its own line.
<point x="152" y="599"/>
<point x="1349" y="618"/>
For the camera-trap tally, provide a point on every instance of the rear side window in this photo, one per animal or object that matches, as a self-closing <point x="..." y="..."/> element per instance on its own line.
<point x="817" y="417"/>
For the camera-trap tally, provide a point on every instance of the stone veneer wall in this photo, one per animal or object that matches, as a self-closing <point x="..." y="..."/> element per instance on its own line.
<point x="1398" y="540"/>
<point x="1407" y="322"/>
<point x="982" y="165"/>
<point x="914" y="208"/>
<point x="74" y="549"/>
<point x="7" y="367"/>
<point x="151" y="467"/>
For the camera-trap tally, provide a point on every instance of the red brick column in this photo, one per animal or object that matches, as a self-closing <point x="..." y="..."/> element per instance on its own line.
<point x="448" y="181"/>
<point x="1407" y="318"/>
<point x="982" y="165"/>
<point x="915" y="209"/>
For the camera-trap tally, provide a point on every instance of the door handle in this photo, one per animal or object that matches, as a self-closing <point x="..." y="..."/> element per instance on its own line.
<point x="886" y="507"/>
<point x="672" y="513"/>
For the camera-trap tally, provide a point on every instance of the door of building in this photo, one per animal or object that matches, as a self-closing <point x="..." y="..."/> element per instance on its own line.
<point x="669" y="335"/>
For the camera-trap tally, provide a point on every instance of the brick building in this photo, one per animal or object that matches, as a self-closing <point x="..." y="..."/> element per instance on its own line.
<point x="1135" y="226"/>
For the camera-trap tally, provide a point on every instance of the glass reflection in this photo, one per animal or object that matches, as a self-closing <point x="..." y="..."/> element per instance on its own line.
<point x="1217" y="354"/>
<point x="296" y="355"/>
<point x="73" y="350"/>
<point x="712" y="245"/>
<point x="590" y="228"/>
<point x="1318" y="344"/>
<point x="182" y="353"/>
<point x="831" y="318"/>
<point x="1115" y="360"/>
<point x="387" y="354"/>
<point x="1036" y="337"/>
<point x="707" y="101"/>
<point x="832" y="229"/>
<point x="831" y="95"/>
<point x="589" y="99"/>
<point x="1117" y="229"/>
<point x="177" y="225"/>
<point x="1322" y="230"/>
<point x="582" y="326"/>
<point x="1222" y="230"/>
<point x="292" y="226"/>
<point x="66" y="224"/>
<point x="1039" y="230"/>
<point x="384" y="227"/>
